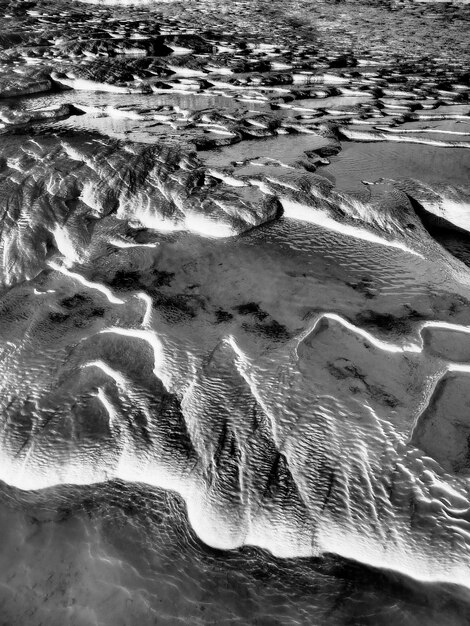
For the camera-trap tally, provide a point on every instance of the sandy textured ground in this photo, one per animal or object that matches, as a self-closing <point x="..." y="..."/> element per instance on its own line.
<point x="234" y="313"/>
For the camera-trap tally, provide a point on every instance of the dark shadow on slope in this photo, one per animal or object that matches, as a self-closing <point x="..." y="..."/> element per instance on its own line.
<point x="148" y="529"/>
<point x="454" y="239"/>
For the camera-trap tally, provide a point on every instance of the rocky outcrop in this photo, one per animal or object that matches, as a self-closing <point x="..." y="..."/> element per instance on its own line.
<point x="22" y="82"/>
<point x="55" y="189"/>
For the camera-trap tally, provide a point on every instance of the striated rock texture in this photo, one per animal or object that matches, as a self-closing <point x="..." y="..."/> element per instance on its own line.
<point x="56" y="190"/>
<point x="53" y="193"/>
